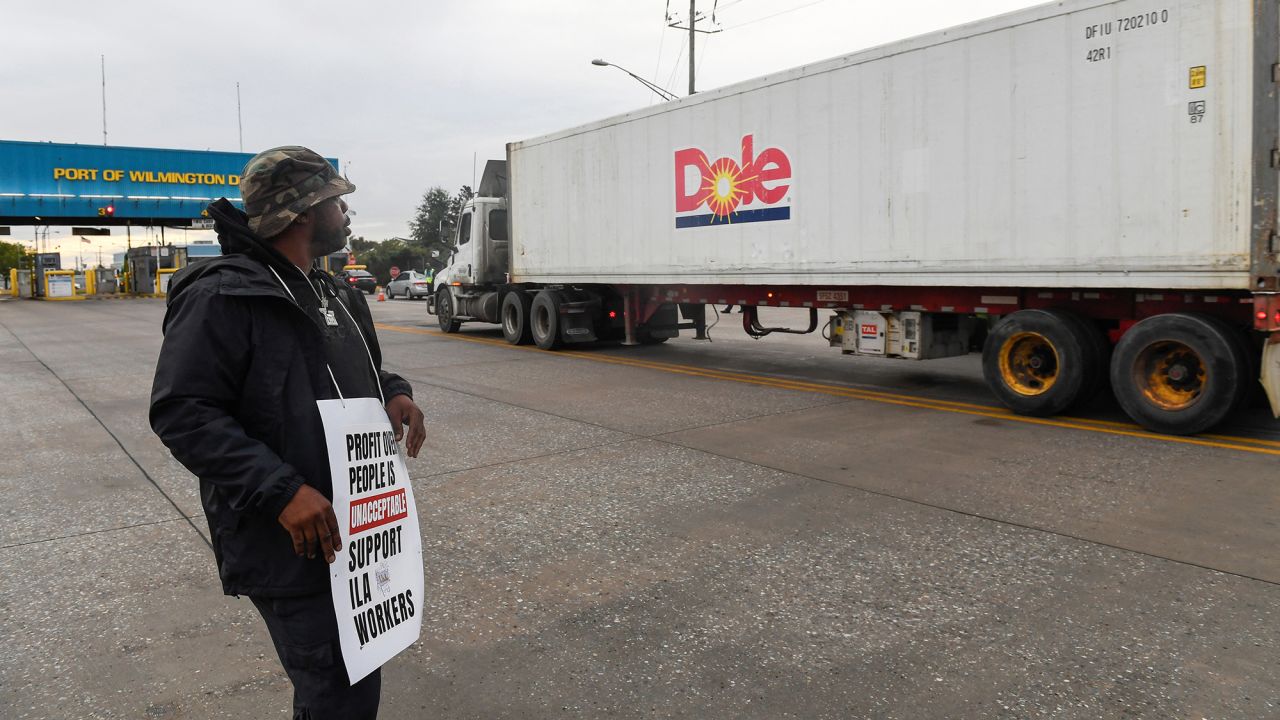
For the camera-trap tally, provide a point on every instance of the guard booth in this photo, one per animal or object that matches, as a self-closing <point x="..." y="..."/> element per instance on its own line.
<point x="147" y="265"/>
<point x="44" y="263"/>
<point x="20" y="282"/>
<point x="103" y="282"/>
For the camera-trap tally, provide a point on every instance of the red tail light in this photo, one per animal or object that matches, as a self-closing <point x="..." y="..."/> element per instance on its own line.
<point x="351" y="280"/>
<point x="1266" y="316"/>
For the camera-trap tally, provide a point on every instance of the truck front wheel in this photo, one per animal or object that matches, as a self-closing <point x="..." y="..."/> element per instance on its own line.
<point x="1178" y="373"/>
<point x="1041" y="362"/>
<point x="445" y="313"/>
<point x="516" y="306"/>
<point x="544" y="320"/>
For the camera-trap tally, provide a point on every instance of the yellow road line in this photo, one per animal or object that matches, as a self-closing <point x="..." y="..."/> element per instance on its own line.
<point x="1226" y="442"/>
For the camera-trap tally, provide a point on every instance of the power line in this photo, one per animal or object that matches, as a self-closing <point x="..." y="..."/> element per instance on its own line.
<point x="676" y="66"/>
<point x="774" y="15"/>
<point x="662" y="39"/>
<point x="703" y="60"/>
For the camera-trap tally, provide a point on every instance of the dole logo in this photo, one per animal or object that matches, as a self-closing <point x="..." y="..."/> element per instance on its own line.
<point x="753" y="190"/>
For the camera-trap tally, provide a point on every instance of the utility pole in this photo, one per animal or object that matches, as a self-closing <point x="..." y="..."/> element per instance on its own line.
<point x="693" y="21"/>
<point x="239" y="123"/>
<point x="693" y="29"/>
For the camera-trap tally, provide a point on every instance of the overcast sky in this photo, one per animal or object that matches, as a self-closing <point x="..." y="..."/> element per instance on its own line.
<point x="403" y="93"/>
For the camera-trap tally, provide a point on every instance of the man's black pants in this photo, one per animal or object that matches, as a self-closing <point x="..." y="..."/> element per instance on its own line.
<point x="305" y="633"/>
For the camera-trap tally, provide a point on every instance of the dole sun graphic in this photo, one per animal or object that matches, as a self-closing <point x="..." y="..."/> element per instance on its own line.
<point x="751" y="190"/>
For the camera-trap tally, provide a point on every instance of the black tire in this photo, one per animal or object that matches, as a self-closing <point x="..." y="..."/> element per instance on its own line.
<point x="544" y="320"/>
<point x="445" y="313"/>
<point x="1179" y="374"/>
<point x="1041" y="362"/>
<point x="516" y="307"/>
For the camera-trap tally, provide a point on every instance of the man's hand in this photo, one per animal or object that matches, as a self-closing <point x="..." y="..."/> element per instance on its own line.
<point x="401" y="410"/>
<point x="311" y="523"/>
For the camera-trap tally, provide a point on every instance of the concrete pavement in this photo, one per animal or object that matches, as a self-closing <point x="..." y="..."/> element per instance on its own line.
<point x="617" y="533"/>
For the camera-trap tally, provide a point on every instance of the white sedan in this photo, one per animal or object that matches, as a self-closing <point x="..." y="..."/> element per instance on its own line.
<point x="410" y="284"/>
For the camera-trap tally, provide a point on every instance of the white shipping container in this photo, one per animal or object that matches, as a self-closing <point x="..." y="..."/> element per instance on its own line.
<point x="1077" y="144"/>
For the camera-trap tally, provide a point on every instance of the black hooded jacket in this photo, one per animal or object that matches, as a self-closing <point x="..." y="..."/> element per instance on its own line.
<point x="234" y="400"/>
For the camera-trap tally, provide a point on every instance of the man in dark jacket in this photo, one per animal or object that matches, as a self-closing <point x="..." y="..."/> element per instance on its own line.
<point x="252" y="340"/>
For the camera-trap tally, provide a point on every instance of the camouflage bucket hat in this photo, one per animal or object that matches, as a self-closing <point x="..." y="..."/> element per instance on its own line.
<point x="280" y="184"/>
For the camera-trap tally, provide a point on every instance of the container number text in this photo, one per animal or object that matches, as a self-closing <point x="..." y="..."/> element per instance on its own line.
<point x="1123" y="25"/>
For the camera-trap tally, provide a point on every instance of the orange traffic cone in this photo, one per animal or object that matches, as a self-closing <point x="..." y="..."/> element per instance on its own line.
<point x="382" y="296"/>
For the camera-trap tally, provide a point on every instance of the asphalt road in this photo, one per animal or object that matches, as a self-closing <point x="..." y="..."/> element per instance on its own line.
<point x="728" y="529"/>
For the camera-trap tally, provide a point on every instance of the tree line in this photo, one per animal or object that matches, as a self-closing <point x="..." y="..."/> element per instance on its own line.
<point x="430" y="237"/>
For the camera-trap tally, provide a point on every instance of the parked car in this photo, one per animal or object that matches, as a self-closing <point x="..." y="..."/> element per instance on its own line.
<point x="357" y="278"/>
<point x="410" y="284"/>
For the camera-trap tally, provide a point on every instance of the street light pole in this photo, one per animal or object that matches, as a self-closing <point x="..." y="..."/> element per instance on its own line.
<point x="659" y="91"/>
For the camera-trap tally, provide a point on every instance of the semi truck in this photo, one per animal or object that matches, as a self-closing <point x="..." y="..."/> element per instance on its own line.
<point x="1084" y="191"/>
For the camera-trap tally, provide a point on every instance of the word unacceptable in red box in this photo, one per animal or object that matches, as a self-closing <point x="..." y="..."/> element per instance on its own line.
<point x="378" y="510"/>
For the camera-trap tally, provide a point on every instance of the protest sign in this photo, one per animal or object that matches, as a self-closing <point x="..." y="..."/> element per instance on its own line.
<point x="376" y="577"/>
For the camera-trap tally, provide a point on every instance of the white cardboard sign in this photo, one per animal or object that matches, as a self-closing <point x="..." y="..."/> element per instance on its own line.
<point x="376" y="576"/>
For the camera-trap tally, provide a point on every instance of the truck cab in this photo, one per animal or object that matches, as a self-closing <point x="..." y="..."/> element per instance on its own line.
<point x="467" y="288"/>
<point x="481" y="246"/>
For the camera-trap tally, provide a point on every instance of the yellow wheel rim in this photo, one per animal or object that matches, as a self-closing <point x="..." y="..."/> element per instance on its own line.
<point x="1029" y="364"/>
<point x="1170" y="374"/>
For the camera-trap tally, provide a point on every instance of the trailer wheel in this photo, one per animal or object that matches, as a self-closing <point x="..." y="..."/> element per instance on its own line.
<point x="1041" y="362"/>
<point x="544" y="320"/>
<point x="1179" y="374"/>
<point x="516" y="308"/>
<point x="445" y="313"/>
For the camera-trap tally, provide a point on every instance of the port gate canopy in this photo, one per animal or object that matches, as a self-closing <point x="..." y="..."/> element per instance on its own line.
<point x="65" y="184"/>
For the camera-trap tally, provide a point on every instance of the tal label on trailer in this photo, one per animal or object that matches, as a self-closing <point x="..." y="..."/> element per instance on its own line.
<point x="752" y="188"/>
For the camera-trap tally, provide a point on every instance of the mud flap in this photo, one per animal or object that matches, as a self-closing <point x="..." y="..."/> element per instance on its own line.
<point x="578" y="320"/>
<point x="1271" y="375"/>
